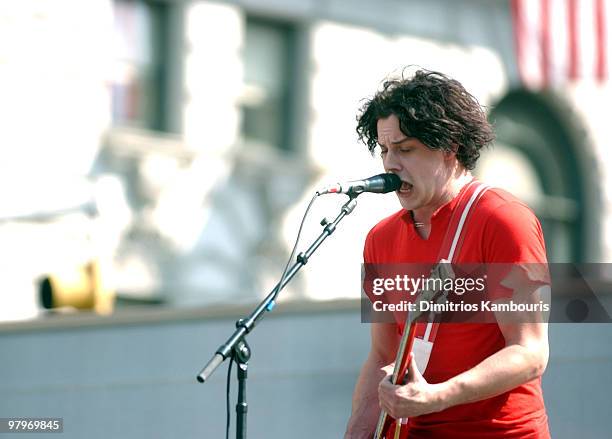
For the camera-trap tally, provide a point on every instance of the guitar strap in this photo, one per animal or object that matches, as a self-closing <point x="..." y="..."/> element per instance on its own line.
<point x="425" y="333"/>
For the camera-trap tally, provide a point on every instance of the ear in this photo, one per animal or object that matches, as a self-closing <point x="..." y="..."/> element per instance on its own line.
<point x="452" y="153"/>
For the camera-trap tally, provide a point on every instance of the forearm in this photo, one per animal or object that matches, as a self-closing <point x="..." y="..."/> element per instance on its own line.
<point x="365" y="410"/>
<point x="506" y="369"/>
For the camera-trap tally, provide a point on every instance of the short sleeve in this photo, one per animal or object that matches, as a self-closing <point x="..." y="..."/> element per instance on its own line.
<point x="514" y="248"/>
<point x="513" y="234"/>
<point x="369" y="272"/>
<point x="368" y="248"/>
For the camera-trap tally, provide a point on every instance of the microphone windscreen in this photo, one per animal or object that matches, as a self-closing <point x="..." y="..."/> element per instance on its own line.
<point x="392" y="182"/>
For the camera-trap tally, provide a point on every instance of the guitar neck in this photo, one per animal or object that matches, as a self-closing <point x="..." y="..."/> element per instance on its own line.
<point x="399" y="371"/>
<point x="405" y="347"/>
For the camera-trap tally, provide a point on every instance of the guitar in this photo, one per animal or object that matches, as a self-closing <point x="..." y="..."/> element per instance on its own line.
<point x="387" y="427"/>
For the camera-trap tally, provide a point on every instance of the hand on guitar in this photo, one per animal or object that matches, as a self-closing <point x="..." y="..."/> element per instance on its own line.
<point x="414" y="398"/>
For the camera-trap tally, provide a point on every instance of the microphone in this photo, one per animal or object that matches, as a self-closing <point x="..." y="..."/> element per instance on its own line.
<point x="379" y="184"/>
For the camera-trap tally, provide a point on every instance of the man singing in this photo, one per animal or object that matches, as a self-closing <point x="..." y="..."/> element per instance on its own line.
<point x="481" y="380"/>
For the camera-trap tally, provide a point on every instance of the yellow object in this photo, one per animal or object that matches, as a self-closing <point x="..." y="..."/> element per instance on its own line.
<point x="82" y="288"/>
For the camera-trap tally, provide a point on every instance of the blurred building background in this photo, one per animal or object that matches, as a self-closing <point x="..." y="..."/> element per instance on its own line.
<point x="157" y="156"/>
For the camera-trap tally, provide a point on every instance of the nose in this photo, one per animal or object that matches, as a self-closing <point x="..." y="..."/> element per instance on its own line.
<point x="391" y="161"/>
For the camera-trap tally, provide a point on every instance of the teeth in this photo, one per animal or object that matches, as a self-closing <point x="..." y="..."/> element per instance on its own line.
<point x="405" y="186"/>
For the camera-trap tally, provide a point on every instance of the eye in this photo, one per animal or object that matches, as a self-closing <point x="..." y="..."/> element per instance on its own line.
<point x="383" y="151"/>
<point x="405" y="149"/>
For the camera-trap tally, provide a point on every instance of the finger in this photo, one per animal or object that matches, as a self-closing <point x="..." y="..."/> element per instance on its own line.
<point x="390" y="404"/>
<point x="414" y="375"/>
<point x="385" y="403"/>
<point x="386" y="386"/>
<point x="387" y="394"/>
<point x="383" y="398"/>
<point x="388" y="370"/>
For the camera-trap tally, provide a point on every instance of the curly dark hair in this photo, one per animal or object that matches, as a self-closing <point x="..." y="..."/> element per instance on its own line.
<point x="433" y="108"/>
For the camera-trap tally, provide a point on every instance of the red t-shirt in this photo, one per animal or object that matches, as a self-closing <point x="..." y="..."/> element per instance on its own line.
<point x="501" y="229"/>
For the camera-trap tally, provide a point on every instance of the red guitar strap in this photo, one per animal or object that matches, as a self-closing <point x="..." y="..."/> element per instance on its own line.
<point x="453" y="239"/>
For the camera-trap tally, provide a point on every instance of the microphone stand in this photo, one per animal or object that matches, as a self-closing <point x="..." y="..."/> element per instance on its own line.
<point x="236" y="345"/>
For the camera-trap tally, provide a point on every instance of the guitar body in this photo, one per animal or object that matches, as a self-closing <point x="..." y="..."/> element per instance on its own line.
<point x="395" y="430"/>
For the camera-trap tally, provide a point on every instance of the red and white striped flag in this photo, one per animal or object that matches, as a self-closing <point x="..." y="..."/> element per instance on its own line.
<point x="561" y="41"/>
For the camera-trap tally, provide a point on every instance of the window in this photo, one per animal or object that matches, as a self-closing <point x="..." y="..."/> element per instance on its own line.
<point x="267" y="102"/>
<point x="139" y="72"/>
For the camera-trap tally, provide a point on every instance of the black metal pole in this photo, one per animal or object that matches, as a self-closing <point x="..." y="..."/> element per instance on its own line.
<point x="242" y="354"/>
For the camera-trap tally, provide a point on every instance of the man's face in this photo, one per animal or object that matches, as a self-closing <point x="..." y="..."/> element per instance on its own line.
<point x="424" y="172"/>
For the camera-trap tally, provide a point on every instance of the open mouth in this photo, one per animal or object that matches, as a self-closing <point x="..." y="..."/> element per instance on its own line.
<point x="406" y="188"/>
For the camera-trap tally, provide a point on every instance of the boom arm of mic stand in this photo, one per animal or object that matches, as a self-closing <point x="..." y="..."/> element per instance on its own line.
<point x="244" y="326"/>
